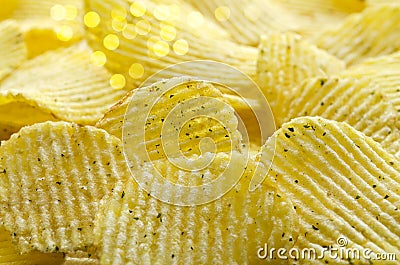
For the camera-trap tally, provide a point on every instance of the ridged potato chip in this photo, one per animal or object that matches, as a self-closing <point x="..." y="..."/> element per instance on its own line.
<point x="133" y="227"/>
<point x="156" y="104"/>
<point x="9" y="254"/>
<point x="149" y="41"/>
<point x="373" y="32"/>
<point x="382" y="70"/>
<point x="12" y="47"/>
<point x="46" y="24"/>
<point x="343" y="185"/>
<point x="247" y="20"/>
<point x="284" y="61"/>
<point x="57" y="85"/>
<point x="359" y="103"/>
<point x="49" y="198"/>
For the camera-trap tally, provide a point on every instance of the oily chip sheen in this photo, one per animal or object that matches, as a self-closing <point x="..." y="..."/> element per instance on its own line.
<point x="373" y="32"/>
<point x="284" y="61"/>
<point x="359" y="103"/>
<point x="341" y="183"/>
<point x="60" y="84"/>
<point x="48" y="202"/>
<point x="132" y="226"/>
<point x="12" y="47"/>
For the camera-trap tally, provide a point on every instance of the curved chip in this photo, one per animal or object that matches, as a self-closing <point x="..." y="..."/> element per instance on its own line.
<point x="149" y="42"/>
<point x="133" y="227"/>
<point x="284" y="61"/>
<point x="373" y="32"/>
<point x="49" y="198"/>
<point x="383" y="71"/>
<point x="156" y="104"/>
<point x="343" y="185"/>
<point x="9" y="254"/>
<point x="359" y="103"/>
<point x="12" y="47"/>
<point x="247" y="20"/>
<point x="61" y="84"/>
<point x="46" y="25"/>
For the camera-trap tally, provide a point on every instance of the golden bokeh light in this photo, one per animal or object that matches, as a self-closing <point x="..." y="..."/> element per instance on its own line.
<point x="143" y="27"/>
<point x="119" y="23"/>
<point x="195" y="19"/>
<point x="98" y="58"/>
<point x="162" y="12"/>
<point x="168" y="33"/>
<point x="117" y="81"/>
<point x="118" y="11"/>
<point x="136" y="70"/>
<point x="58" y="12"/>
<point x="111" y="42"/>
<point x="64" y="33"/>
<point x="137" y="9"/>
<point x="222" y="13"/>
<point x="181" y="47"/>
<point x="160" y="48"/>
<point x="91" y="19"/>
<point x="129" y="31"/>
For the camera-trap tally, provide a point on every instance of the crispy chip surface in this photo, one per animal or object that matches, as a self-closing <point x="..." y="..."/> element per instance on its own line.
<point x="60" y="84"/>
<point x="373" y="32"/>
<point x="12" y="47"/>
<point x="132" y="226"/>
<point x="10" y="256"/>
<point x="284" y="61"/>
<point x="49" y="199"/>
<point x="247" y="20"/>
<point x="342" y="185"/>
<point x="359" y="103"/>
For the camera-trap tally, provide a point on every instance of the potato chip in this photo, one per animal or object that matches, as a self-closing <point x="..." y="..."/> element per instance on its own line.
<point x="12" y="47"/>
<point x="343" y="185"/>
<point x="381" y="2"/>
<point x="373" y="32"/>
<point x="360" y="103"/>
<point x="49" y="199"/>
<point x="247" y="20"/>
<point x="10" y="256"/>
<point x="60" y="84"/>
<point x="156" y="105"/>
<point x="140" y="49"/>
<point x="285" y="60"/>
<point x="134" y="227"/>
<point x="46" y="24"/>
<point x="384" y="71"/>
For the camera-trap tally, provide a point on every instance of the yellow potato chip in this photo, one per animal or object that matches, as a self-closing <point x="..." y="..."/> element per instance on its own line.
<point x="285" y="60"/>
<point x="12" y="47"/>
<point x="360" y="103"/>
<point x="10" y="256"/>
<point x="144" y="46"/>
<point x="384" y="71"/>
<point x="343" y="185"/>
<point x="247" y="20"/>
<point x="49" y="198"/>
<point x="381" y="2"/>
<point x="134" y="227"/>
<point x="60" y="84"/>
<point x="148" y="112"/>
<point x="46" y="24"/>
<point x="373" y="32"/>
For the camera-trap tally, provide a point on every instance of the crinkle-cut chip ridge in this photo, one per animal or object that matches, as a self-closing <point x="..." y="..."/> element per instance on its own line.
<point x="341" y="183"/>
<point x="12" y="48"/>
<point x="284" y="61"/>
<point x="360" y="103"/>
<point x="153" y="53"/>
<point x="132" y="226"/>
<point x="247" y="20"/>
<point x="49" y="200"/>
<point x="57" y="85"/>
<point x="373" y="32"/>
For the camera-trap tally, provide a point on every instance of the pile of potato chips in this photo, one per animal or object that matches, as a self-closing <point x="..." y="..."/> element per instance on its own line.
<point x="74" y="88"/>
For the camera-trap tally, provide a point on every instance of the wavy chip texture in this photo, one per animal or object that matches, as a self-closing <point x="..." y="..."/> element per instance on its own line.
<point x="46" y="24"/>
<point x="382" y="70"/>
<point x="247" y="20"/>
<point x="132" y="226"/>
<point x="60" y="84"/>
<point x="359" y="103"/>
<point x="341" y="183"/>
<point x="12" y="47"/>
<point x="9" y="254"/>
<point x="373" y="32"/>
<point x="48" y="201"/>
<point x="284" y="61"/>
<point x="143" y="48"/>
